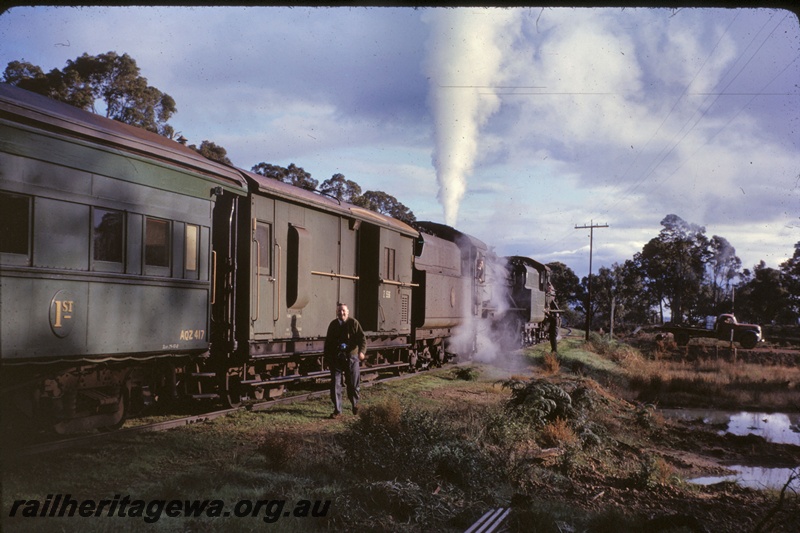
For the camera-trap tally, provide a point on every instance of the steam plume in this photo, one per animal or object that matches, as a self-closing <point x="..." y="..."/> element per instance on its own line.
<point x="464" y="65"/>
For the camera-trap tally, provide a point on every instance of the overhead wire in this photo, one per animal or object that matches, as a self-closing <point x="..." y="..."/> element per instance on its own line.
<point x="633" y="187"/>
<point x="735" y="115"/>
<point x="659" y="159"/>
<point x="662" y="156"/>
<point x="727" y="123"/>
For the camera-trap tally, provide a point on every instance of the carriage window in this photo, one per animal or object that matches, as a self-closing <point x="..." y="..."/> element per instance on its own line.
<point x="15" y="212"/>
<point x="107" y="235"/>
<point x="389" y="262"/>
<point x="263" y="239"/>
<point x="156" y="242"/>
<point x="190" y="260"/>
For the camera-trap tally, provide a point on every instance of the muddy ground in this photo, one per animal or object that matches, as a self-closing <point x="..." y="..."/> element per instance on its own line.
<point x="601" y="482"/>
<point x="686" y="450"/>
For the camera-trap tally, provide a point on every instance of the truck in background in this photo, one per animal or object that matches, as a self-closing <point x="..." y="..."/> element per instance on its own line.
<point x="726" y="328"/>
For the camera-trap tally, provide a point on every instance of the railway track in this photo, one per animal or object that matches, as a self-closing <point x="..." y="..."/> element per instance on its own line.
<point x="97" y="438"/>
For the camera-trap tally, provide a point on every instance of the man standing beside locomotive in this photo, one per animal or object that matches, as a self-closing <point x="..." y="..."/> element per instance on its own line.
<point x="552" y="330"/>
<point x="345" y="348"/>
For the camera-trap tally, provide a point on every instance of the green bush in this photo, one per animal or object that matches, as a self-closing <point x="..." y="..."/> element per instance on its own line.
<point x="611" y="349"/>
<point x="394" y="505"/>
<point x="539" y="401"/>
<point x="467" y="373"/>
<point x="390" y="443"/>
<point x="503" y="430"/>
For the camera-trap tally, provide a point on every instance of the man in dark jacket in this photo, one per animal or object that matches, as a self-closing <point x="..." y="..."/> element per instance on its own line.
<point x="345" y="348"/>
<point x="552" y="330"/>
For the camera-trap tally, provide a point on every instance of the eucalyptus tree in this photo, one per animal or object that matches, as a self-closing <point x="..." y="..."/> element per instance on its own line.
<point x="619" y="296"/>
<point x="766" y="297"/>
<point x="386" y="204"/>
<point x="212" y="151"/>
<point x="723" y="267"/>
<point x="109" y="84"/>
<point x="769" y="295"/>
<point x="341" y="188"/>
<point x="673" y="265"/>
<point x="566" y="284"/>
<point x="292" y="174"/>
<point x="635" y="303"/>
<point x="790" y="270"/>
<point x="604" y="289"/>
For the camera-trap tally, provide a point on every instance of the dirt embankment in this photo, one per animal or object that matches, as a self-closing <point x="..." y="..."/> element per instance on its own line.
<point x="628" y="464"/>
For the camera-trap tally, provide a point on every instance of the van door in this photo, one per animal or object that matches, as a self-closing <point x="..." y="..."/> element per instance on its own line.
<point x="263" y="268"/>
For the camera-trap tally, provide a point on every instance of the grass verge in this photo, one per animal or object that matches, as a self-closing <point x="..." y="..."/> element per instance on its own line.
<point x="555" y="441"/>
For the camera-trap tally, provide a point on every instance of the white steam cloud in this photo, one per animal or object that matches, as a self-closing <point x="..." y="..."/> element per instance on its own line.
<point x="465" y="66"/>
<point x="487" y="338"/>
<point x="492" y="344"/>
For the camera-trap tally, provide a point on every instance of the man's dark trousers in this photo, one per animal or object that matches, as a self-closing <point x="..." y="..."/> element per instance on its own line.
<point x="348" y="368"/>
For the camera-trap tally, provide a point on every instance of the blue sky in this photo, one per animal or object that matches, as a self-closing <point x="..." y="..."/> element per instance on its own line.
<point x="514" y="125"/>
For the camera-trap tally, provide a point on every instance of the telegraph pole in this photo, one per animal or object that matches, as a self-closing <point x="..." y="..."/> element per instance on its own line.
<point x="590" y="227"/>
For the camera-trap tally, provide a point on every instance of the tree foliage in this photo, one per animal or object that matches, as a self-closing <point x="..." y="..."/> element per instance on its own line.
<point x="767" y="296"/>
<point x="292" y="174"/>
<point x="692" y="276"/>
<point x="723" y="268"/>
<point x="212" y="151"/>
<point x="386" y="204"/>
<point x="566" y="284"/>
<point x="790" y="269"/>
<point x="341" y="188"/>
<point x="109" y="79"/>
<point x="623" y="288"/>
<point x="674" y="264"/>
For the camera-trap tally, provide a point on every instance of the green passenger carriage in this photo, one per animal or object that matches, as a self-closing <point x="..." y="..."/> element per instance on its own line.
<point x="105" y="258"/>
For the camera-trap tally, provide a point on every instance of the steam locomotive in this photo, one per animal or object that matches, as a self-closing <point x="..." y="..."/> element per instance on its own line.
<point x="133" y="270"/>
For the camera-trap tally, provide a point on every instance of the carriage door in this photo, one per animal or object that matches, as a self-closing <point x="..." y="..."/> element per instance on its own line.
<point x="264" y="253"/>
<point x="369" y="265"/>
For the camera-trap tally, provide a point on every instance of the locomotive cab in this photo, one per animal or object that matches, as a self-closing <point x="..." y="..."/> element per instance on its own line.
<point x="531" y="297"/>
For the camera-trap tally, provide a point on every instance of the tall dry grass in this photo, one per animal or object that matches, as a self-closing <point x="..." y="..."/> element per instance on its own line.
<point x="714" y="382"/>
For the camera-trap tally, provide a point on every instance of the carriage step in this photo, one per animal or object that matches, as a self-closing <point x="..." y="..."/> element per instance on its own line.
<point x="206" y="396"/>
<point x="253" y="382"/>
<point x="279" y="380"/>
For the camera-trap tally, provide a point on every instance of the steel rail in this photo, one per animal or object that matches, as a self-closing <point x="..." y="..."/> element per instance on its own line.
<point x="73" y="442"/>
<point x="491" y="521"/>
<point x="63" y="444"/>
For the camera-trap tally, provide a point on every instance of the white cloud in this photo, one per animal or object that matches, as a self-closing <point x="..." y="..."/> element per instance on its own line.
<point x="584" y="114"/>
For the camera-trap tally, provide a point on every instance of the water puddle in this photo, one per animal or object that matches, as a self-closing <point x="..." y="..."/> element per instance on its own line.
<point x="779" y="428"/>
<point x="754" y="477"/>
